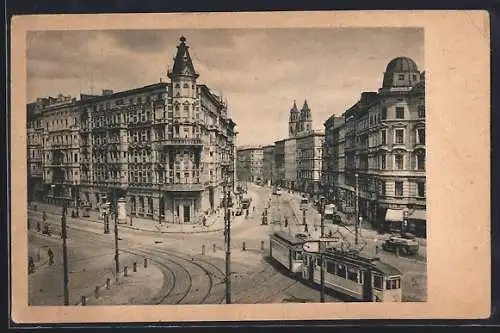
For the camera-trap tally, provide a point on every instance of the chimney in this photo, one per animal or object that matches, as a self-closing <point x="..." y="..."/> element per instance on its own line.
<point x="107" y="92"/>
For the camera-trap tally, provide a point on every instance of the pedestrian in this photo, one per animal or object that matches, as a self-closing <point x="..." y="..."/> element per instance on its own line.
<point x="31" y="265"/>
<point x="51" y="256"/>
<point x="286" y="222"/>
<point x="253" y="209"/>
<point x="204" y="221"/>
<point x="44" y="216"/>
<point x="38" y="226"/>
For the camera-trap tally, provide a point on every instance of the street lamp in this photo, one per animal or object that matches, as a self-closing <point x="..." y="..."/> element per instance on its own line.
<point x="357" y="210"/>
<point x="227" y="224"/>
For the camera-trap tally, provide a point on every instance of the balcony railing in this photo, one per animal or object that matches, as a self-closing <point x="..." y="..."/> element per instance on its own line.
<point x="182" y="187"/>
<point x="181" y="142"/>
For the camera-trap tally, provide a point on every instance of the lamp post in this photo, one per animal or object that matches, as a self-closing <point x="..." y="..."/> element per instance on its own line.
<point x="227" y="217"/>
<point x="65" y="254"/>
<point x="356" y="210"/>
<point x="117" y="259"/>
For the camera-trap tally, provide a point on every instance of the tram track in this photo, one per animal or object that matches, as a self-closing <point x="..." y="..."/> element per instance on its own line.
<point x="179" y="280"/>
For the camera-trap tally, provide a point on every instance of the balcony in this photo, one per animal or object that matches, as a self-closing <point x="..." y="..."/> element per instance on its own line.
<point x="182" y="187"/>
<point x="181" y="142"/>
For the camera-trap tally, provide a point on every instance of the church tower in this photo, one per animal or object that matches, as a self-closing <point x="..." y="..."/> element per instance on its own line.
<point x="305" y="118"/>
<point x="293" y="122"/>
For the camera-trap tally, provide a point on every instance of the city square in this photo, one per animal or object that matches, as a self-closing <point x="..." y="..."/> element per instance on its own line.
<point x="158" y="195"/>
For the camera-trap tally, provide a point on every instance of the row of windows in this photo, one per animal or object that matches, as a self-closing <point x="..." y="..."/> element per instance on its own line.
<point x="399" y="189"/>
<point x="398" y="163"/>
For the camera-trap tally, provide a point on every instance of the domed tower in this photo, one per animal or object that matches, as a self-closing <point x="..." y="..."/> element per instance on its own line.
<point x="305" y="118"/>
<point x="183" y="82"/>
<point x="401" y="74"/>
<point x="293" y="122"/>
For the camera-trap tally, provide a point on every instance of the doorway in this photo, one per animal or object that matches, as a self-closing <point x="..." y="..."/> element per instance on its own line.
<point x="187" y="213"/>
<point x="211" y="197"/>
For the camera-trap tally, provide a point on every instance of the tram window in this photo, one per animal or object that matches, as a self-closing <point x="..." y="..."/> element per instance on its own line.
<point x="341" y="271"/>
<point x="378" y="282"/>
<point x="330" y="267"/>
<point x="352" y="274"/>
<point x="393" y="284"/>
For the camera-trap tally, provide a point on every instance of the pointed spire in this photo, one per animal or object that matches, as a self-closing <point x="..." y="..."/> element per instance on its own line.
<point x="305" y="106"/>
<point x="294" y="107"/>
<point x="183" y="64"/>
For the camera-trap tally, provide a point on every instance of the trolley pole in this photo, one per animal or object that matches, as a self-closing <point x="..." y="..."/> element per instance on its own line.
<point x="228" y="248"/>
<point x="117" y="259"/>
<point x="356" y="222"/>
<point x="65" y="255"/>
<point x="322" y="272"/>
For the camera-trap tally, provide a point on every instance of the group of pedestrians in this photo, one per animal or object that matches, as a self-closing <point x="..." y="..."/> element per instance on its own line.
<point x="31" y="261"/>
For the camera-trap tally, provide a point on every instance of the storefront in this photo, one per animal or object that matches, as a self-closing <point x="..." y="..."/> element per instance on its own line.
<point x="394" y="219"/>
<point x="417" y="222"/>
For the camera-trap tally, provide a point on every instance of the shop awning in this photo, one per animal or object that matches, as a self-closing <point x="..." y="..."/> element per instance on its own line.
<point x="394" y="215"/>
<point x="418" y="214"/>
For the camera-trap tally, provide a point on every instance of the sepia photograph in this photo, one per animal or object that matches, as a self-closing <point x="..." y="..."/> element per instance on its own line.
<point x="226" y="165"/>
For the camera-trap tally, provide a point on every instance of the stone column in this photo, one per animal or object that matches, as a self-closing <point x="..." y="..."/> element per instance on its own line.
<point x="156" y="208"/>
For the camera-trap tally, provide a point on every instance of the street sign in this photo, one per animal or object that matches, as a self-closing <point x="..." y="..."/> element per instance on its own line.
<point x="312" y="246"/>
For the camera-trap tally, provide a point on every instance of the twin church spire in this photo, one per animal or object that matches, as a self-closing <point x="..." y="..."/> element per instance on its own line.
<point x="299" y="121"/>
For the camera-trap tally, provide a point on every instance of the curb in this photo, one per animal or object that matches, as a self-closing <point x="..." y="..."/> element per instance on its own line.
<point x="142" y="229"/>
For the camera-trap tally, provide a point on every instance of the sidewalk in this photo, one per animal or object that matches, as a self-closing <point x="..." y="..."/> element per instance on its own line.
<point x="214" y="222"/>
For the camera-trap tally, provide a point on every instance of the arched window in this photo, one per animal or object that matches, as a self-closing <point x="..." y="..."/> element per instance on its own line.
<point x="185" y="85"/>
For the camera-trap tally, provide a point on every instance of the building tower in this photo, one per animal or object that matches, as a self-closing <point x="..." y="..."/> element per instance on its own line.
<point x="400" y="75"/>
<point x="183" y="152"/>
<point x="305" y="118"/>
<point x="293" y="123"/>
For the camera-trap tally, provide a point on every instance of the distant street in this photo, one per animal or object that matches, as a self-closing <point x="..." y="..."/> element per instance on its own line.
<point x="184" y="268"/>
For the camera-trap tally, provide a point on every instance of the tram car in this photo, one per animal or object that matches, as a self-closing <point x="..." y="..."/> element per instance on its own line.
<point x="287" y="250"/>
<point x="358" y="277"/>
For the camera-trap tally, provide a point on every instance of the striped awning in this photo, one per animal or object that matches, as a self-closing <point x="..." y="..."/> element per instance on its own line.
<point x="418" y="214"/>
<point x="394" y="215"/>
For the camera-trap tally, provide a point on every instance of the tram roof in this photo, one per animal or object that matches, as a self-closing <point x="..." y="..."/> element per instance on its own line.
<point x="289" y="238"/>
<point x="362" y="260"/>
<point x="387" y="269"/>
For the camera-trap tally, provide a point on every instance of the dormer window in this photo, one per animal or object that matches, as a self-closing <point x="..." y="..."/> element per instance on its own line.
<point x="177" y="85"/>
<point x="186" y="86"/>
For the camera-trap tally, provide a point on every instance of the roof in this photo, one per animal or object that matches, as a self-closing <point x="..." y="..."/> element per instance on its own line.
<point x="363" y="260"/>
<point x="386" y="269"/>
<point x="402" y="64"/>
<point x="292" y="240"/>
<point x="183" y="65"/>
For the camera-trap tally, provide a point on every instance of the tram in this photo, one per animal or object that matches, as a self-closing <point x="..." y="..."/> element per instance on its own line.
<point x="358" y="277"/>
<point x="287" y="250"/>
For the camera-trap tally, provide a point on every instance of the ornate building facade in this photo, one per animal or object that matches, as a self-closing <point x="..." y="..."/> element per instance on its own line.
<point x="382" y="139"/>
<point x="309" y="161"/>
<point x="249" y="163"/>
<point x="166" y="148"/>
<point x="268" y="171"/>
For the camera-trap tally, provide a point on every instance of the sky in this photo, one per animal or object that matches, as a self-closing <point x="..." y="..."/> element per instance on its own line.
<point x="260" y="71"/>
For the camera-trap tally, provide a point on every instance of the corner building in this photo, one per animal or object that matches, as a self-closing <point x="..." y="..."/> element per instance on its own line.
<point x="167" y="148"/>
<point x="381" y="138"/>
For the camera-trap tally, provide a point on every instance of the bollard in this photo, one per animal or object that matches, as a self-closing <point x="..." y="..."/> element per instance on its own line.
<point x="244" y="247"/>
<point x="262" y="245"/>
<point x="203" y="250"/>
<point x="108" y="283"/>
<point x="397" y="252"/>
<point x="135" y="267"/>
<point x="38" y="255"/>
<point x="96" y="292"/>
<point x="145" y="262"/>
<point x="125" y="271"/>
<point x="214" y="248"/>
<point x="84" y="300"/>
